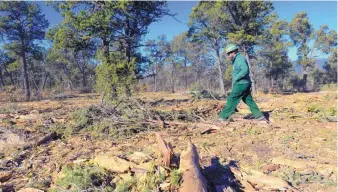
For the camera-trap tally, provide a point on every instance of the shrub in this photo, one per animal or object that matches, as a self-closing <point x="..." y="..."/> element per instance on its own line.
<point x="77" y="178"/>
<point x="329" y="87"/>
<point x="175" y="178"/>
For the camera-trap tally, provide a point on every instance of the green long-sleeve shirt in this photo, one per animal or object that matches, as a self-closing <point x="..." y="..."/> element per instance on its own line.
<point x="240" y="70"/>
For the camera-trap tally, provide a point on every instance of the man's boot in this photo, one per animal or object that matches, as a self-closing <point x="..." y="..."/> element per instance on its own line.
<point x="262" y="119"/>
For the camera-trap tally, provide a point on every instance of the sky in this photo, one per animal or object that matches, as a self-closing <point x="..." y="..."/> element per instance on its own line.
<point x="319" y="13"/>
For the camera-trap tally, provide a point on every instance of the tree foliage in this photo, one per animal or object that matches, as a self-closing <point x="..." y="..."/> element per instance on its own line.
<point x="22" y="25"/>
<point x="207" y="26"/>
<point x="309" y="42"/>
<point x="274" y="50"/>
<point x="117" y="27"/>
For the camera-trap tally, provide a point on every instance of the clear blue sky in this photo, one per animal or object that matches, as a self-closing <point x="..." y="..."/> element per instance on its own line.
<point x="319" y="13"/>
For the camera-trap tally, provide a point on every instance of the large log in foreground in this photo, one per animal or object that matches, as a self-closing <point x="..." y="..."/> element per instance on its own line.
<point x="192" y="178"/>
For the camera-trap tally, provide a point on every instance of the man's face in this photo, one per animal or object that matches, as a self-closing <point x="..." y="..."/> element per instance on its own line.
<point x="231" y="55"/>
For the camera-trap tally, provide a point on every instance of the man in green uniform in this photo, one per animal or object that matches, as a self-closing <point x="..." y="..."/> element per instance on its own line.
<point x="241" y="86"/>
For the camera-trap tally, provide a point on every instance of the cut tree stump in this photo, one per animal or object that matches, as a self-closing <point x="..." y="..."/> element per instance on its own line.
<point x="192" y="178"/>
<point x="165" y="149"/>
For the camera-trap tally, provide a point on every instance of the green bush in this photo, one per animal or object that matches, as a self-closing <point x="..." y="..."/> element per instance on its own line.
<point x="265" y="90"/>
<point x="81" y="119"/>
<point x="314" y="109"/>
<point x="195" y="87"/>
<point x="122" y="187"/>
<point x="152" y="180"/>
<point x="332" y="111"/>
<point x="9" y="108"/>
<point x="322" y="114"/>
<point x="329" y="87"/>
<point x="77" y="178"/>
<point x="175" y="178"/>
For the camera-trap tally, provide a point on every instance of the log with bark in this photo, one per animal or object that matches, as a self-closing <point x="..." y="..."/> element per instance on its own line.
<point x="40" y="141"/>
<point x="192" y="178"/>
<point x="257" y="181"/>
<point x="207" y="127"/>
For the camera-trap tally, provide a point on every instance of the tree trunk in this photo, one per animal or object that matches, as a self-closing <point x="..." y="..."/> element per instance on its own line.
<point x="107" y="58"/>
<point x="84" y="83"/>
<point x="155" y="84"/>
<point x="185" y="74"/>
<point x="199" y="83"/>
<point x="35" y="85"/>
<point x="81" y="64"/>
<point x="221" y="83"/>
<point x="155" y="79"/>
<point x="250" y="70"/>
<point x="172" y="79"/>
<point x="25" y="74"/>
<point x="44" y="82"/>
<point x="2" y="82"/>
<point x="50" y="83"/>
<point x="128" y="43"/>
<point x="106" y="50"/>
<point x="271" y="86"/>
<point x="304" y="81"/>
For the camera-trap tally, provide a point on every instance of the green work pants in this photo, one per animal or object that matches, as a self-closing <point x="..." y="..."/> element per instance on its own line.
<point x="240" y="91"/>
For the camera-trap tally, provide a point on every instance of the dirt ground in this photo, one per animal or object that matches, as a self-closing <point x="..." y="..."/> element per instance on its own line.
<point x="298" y="146"/>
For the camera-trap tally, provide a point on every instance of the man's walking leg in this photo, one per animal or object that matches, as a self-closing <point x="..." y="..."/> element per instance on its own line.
<point x="232" y="101"/>
<point x="252" y="105"/>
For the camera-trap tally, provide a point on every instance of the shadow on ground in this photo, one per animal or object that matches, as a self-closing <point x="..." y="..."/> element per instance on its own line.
<point x="220" y="178"/>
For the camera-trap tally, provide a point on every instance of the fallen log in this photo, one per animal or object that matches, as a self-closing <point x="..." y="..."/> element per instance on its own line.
<point x="30" y="190"/>
<point x="138" y="170"/>
<point x="165" y="149"/>
<point x="209" y="127"/>
<point x="192" y="178"/>
<point x="241" y="178"/>
<point x="5" y="176"/>
<point x="40" y="141"/>
<point x="113" y="163"/>
<point x="258" y="180"/>
<point x="198" y="125"/>
<point x="46" y="138"/>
